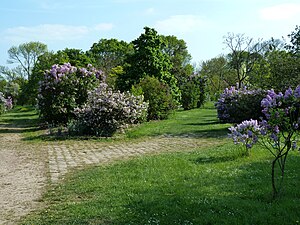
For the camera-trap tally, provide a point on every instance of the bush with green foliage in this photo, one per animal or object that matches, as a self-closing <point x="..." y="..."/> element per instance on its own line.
<point x="193" y="92"/>
<point x="63" y="89"/>
<point x="237" y="105"/>
<point x="158" y="95"/>
<point x="107" y="111"/>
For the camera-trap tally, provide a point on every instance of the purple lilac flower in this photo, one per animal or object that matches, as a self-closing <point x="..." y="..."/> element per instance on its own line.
<point x="272" y="93"/>
<point x="288" y="93"/>
<point x="276" y="129"/>
<point x="297" y="92"/>
<point x="274" y="137"/>
<point x="280" y="95"/>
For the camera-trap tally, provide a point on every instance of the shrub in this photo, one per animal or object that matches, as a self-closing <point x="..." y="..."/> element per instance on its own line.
<point x="237" y="105"/>
<point x="107" y="111"/>
<point x="159" y="97"/>
<point x="5" y="104"/>
<point x="192" y="92"/>
<point x="64" y="88"/>
<point x="278" y="132"/>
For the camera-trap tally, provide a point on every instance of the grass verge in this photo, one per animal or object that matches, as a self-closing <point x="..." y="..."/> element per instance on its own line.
<point x="212" y="186"/>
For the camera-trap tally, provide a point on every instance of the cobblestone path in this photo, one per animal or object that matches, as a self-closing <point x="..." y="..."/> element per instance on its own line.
<point x="62" y="157"/>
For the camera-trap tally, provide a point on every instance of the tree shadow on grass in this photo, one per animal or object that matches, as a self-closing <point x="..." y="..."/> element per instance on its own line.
<point x="206" y="133"/>
<point x="209" y="122"/>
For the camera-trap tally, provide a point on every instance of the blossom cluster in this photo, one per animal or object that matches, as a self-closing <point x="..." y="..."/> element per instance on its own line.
<point x="236" y="105"/>
<point x="246" y="133"/>
<point x="281" y="121"/>
<point x="64" y="88"/>
<point x="107" y="111"/>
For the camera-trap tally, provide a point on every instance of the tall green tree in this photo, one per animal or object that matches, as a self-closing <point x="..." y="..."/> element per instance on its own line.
<point x="218" y="75"/>
<point x="179" y="56"/>
<point x="76" y="57"/>
<point x="26" y="55"/>
<point x="284" y="70"/>
<point x="109" y="53"/>
<point x="148" y="59"/>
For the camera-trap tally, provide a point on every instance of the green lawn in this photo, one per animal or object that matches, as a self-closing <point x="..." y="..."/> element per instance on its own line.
<point x="212" y="186"/>
<point x="216" y="185"/>
<point x="198" y="123"/>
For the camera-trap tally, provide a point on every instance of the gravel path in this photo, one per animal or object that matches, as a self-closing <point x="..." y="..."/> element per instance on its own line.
<point x="27" y="168"/>
<point x="22" y="176"/>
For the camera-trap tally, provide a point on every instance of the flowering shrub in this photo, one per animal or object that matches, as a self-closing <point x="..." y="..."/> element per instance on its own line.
<point x="5" y="104"/>
<point x="237" y="105"/>
<point x="278" y="130"/>
<point x="64" y="88"/>
<point x="8" y="103"/>
<point x="107" y="111"/>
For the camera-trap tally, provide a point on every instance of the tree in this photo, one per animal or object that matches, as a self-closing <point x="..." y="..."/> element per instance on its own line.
<point x="179" y="56"/>
<point x="109" y="53"/>
<point x="148" y="60"/>
<point x="76" y="57"/>
<point x="294" y="47"/>
<point x="218" y="75"/>
<point x="243" y="56"/>
<point x="26" y="55"/>
<point x="284" y="70"/>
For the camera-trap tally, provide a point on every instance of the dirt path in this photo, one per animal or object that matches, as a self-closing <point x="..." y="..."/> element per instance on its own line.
<point x="26" y="169"/>
<point x="22" y="176"/>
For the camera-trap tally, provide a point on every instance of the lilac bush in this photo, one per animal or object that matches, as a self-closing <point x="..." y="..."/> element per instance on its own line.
<point x="8" y="103"/>
<point x="237" y="105"/>
<point x="64" y="88"/>
<point x="106" y="111"/>
<point x="5" y="103"/>
<point x="278" y="131"/>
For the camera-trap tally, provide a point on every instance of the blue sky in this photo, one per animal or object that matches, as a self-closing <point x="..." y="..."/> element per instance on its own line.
<point x="201" y="23"/>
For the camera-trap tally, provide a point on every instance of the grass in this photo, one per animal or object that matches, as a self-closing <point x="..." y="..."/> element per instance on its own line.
<point x="213" y="185"/>
<point x="21" y="116"/>
<point x="198" y="123"/>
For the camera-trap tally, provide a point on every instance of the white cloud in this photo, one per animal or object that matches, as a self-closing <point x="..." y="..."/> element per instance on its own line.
<point x="52" y="32"/>
<point x="103" y="27"/>
<point x="150" y="11"/>
<point x="180" y="24"/>
<point x="284" y="11"/>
